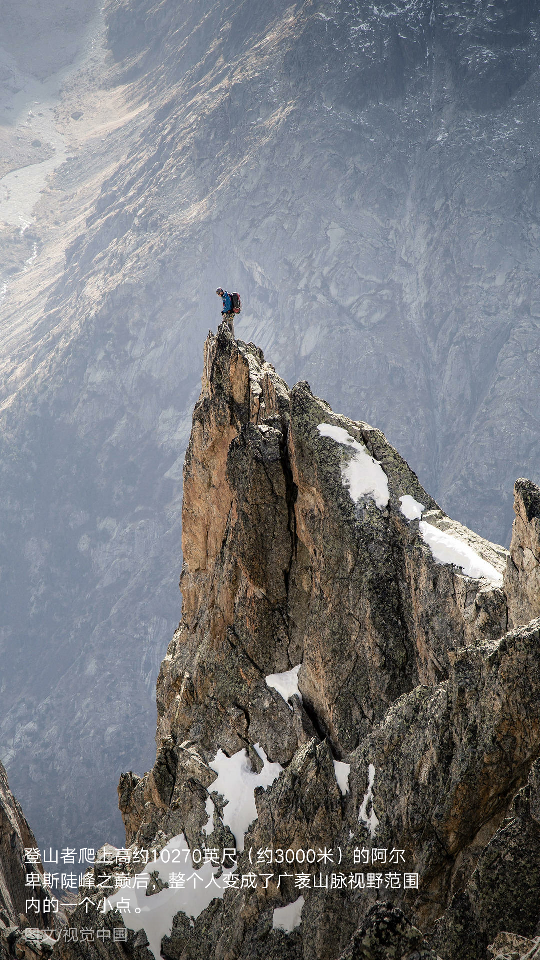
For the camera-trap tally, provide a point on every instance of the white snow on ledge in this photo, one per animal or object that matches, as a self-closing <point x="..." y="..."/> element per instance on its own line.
<point x="411" y="508"/>
<point x="236" y="782"/>
<point x="342" y="771"/>
<point x="366" y="814"/>
<point x="289" y="917"/>
<point x="448" y="549"/>
<point x="362" y="474"/>
<point x="155" y="914"/>
<point x="193" y="890"/>
<point x="286" y="684"/>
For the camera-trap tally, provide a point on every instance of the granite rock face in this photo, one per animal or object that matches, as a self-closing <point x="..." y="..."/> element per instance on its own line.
<point x="271" y="534"/>
<point x="412" y="725"/>
<point x="387" y="934"/>
<point x="522" y="575"/>
<point x="282" y="567"/>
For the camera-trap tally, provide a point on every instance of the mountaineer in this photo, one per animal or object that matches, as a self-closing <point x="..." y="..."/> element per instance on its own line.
<point x="231" y="305"/>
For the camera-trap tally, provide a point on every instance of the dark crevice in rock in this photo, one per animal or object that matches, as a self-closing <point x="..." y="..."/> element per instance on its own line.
<point x="236" y="644"/>
<point x="291" y="493"/>
<point x="319" y="725"/>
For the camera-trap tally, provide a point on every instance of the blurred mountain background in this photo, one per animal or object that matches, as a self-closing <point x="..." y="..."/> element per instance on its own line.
<point x="366" y="175"/>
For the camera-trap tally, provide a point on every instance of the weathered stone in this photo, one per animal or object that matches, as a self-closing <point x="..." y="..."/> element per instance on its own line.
<point x="508" y="946"/>
<point x="503" y="893"/>
<point x="92" y="947"/>
<point x="407" y="672"/>
<point x="455" y="756"/>
<point x="387" y="934"/>
<point x="400" y="613"/>
<point x="15" y="835"/>
<point x="172" y="947"/>
<point x="155" y="884"/>
<point x="522" y="579"/>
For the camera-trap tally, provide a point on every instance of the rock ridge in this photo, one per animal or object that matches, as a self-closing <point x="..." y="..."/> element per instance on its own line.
<point x="380" y="658"/>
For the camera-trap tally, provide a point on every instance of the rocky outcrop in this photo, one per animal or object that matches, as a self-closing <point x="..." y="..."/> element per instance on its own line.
<point x="387" y="934"/>
<point x="522" y="579"/>
<point x="344" y="649"/>
<point x="283" y="566"/>
<point x="454" y="756"/>
<point x="502" y="893"/>
<point x="15" y="836"/>
<point x="510" y="946"/>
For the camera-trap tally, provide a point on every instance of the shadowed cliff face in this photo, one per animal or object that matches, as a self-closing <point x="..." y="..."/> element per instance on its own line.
<point x="366" y="176"/>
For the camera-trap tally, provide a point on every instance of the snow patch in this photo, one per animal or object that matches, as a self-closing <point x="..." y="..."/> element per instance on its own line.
<point x="342" y="771"/>
<point x="236" y="782"/>
<point x="208" y="828"/>
<point x="362" y="474"/>
<point x="30" y="260"/>
<point x="410" y="508"/>
<point x="448" y="549"/>
<point x="289" y="917"/>
<point x="286" y="684"/>
<point x="155" y="914"/>
<point x="367" y="814"/>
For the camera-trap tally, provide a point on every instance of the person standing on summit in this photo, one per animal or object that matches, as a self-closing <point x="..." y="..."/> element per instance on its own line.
<point x="231" y="305"/>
